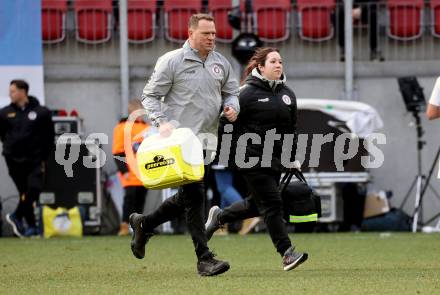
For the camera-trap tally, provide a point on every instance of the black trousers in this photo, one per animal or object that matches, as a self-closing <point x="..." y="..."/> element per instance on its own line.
<point x="265" y="200"/>
<point x="29" y="180"/>
<point x="190" y="199"/>
<point x="134" y="201"/>
<point x="368" y="16"/>
<point x="244" y="209"/>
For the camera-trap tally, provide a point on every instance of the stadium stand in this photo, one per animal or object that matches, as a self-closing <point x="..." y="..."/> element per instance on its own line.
<point x="405" y="19"/>
<point x="93" y="20"/>
<point x="53" y="18"/>
<point x="176" y="15"/>
<point x="282" y="23"/>
<point x="315" y="19"/>
<point x="435" y="17"/>
<point x="272" y="19"/>
<point x="141" y="18"/>
<point x="219" y="10"/>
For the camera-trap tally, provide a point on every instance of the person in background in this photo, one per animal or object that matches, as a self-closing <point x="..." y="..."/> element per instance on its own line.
<point x="134" y="191"/>
<point x="267" y="104"/>
<point x="365" y="12"/>
<point x="433" y="110"/>
<point x="224" y="178"/>
<point x="27" y="133"/>
<point x="194" y="83"/>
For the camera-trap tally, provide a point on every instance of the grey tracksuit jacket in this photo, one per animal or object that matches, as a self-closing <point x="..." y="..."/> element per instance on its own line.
<point x="185" y="89"/>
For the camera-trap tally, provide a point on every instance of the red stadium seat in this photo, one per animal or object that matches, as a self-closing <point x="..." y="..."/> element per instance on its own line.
<point x="435" y="17"/>
<point x="176" y="17"/>
<point x="272" y="19"/>
<point x="405" y="19"/>
<point x="315" y="19"/>
<point x="219" y="10"/>
<point x="53" y="18"/>
<point x="93" y="20"/>
<point x="141" y="18"/>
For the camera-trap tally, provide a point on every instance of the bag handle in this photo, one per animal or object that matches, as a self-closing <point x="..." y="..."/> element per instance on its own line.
<point x="299" y="175"/>
<point x="288" y="177"/>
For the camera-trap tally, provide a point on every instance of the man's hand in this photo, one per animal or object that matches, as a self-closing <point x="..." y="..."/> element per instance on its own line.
<point x="165" y="129"/>
<point x="432" y="112"/>
<point x="230" y="114"/>
<point x="356" y="13"/>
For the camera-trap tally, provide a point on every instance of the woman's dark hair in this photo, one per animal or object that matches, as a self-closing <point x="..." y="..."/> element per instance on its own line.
<point x="21" y="84"/>
<point x="259" y="58"/>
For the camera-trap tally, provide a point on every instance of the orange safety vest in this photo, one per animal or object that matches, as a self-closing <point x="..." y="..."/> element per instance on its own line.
<point x="118" y="148"/>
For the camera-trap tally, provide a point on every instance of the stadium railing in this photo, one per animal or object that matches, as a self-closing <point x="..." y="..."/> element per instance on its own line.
<point x="305" y="30"/>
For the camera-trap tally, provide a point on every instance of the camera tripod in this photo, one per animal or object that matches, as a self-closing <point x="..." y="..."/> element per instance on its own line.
<point x="420" y="181"/>
<point x="419" y="204"/>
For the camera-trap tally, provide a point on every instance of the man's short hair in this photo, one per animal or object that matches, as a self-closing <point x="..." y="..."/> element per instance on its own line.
<point x="21" y="84"/>
<point x="195" y="18"/>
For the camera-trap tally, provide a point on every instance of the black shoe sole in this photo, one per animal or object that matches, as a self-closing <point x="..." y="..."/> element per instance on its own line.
<point x="297" y="262"/>
<point x="225" y="267"/>
<point x="209" y="221"/>
<point x="133" y="237"/>
<point x="138" y="256"/>
<point x="14" y="226"/>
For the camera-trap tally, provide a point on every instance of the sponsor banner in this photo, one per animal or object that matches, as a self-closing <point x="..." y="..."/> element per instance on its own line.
<point x="21" y="51"/>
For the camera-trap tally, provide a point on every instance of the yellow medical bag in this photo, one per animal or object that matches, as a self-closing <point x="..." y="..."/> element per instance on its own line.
<point x="165" y="162"/>
<point x="61" y="222"/>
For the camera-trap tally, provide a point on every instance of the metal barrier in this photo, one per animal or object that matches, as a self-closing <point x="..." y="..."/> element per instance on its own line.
<point x="312" y="34"/>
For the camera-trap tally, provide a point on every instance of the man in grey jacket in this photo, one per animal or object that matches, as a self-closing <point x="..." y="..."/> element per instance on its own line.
<point x="188" y="88"/>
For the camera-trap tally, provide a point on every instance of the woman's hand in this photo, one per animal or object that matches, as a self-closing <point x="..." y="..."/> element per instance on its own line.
<point x="230" y="114"/>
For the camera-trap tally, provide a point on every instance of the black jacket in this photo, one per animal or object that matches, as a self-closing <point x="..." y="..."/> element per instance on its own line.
<point x="263" y="108"/>
<point x="27" y="134"/>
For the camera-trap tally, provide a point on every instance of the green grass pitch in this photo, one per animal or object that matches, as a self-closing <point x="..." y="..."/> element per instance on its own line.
<point x="338" y="264"/>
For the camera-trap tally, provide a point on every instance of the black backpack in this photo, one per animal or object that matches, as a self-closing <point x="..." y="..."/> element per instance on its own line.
<point x="300" y="203"/>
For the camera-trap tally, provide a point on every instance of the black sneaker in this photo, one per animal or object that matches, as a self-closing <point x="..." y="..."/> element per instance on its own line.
<point x="376" y="55"/>
<point x="342" y="57"/>
<point x="292" y="259"/>
<point x="209" y="266"/>
<point x="139" y="237"/>
<point x="17" y="225"/>
<point x="212" y="224"/>
<point x="31" y="232"/>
